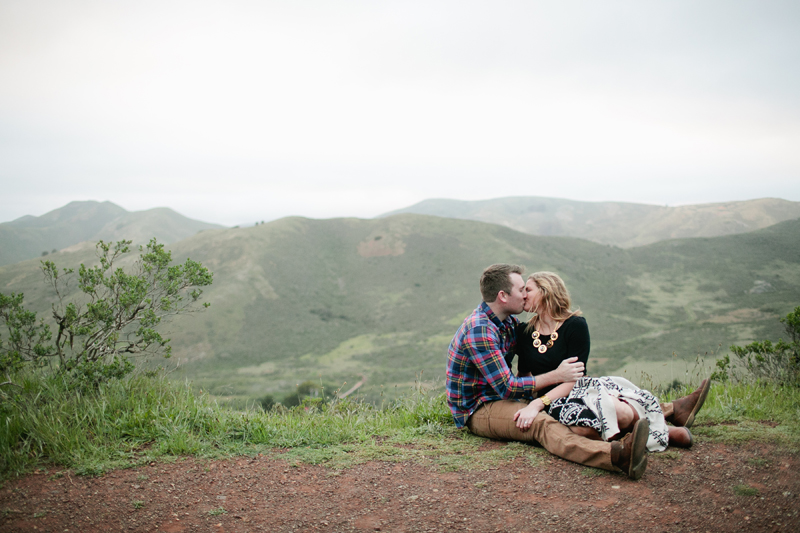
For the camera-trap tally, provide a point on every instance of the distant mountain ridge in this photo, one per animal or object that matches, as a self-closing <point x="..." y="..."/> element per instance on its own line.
<point x="617" y="223"/>
<point x="29" y="236"/>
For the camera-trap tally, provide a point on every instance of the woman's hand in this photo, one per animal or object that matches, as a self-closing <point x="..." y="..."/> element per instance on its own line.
<point x="525" y="416"/>
<point x="569" y="370"/>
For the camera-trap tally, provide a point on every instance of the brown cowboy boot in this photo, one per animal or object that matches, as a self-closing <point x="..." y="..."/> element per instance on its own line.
<point x="630" y="454"/>
<point x="684" y="409"/>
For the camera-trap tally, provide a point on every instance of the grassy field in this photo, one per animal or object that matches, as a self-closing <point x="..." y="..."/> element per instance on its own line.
<point x="339" y="301"/>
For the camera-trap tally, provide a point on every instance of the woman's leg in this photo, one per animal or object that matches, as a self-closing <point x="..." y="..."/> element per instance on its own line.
<point x="626" y="418"/>
<point x="589" y="433"/>
<point x="680" y="437"/>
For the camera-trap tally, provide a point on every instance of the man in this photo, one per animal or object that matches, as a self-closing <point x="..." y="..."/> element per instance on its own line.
<point x="481" y="391"/>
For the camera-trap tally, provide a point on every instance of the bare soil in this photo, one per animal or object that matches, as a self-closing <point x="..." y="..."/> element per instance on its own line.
<point x="712" y="487"/>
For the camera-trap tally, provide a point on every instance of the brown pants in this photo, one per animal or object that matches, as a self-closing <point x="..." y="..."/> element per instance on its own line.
<point x="495" y="420"/>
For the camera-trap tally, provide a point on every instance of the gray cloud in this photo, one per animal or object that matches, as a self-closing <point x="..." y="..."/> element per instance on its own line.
<point x="236" y="111"/>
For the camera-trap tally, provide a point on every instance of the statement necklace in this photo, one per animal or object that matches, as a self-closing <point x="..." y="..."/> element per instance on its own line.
<point x="537" y="342"/>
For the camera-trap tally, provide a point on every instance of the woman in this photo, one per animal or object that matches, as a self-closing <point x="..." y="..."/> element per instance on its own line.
<point x="602" y="408"/>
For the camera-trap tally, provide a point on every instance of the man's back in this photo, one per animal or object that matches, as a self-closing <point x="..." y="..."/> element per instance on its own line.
<point x="476" y="367"/>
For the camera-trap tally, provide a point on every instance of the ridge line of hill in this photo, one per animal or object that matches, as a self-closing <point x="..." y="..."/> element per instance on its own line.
<point x="621" y="224"/>
<point x="29" y="237"/>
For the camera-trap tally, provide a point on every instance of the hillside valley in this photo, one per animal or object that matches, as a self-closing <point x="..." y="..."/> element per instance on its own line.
<point x="340" y="301"/>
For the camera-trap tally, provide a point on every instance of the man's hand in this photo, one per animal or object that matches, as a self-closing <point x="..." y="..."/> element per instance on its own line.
<point x="569" y="370"/>
<point x="525" y="416"/>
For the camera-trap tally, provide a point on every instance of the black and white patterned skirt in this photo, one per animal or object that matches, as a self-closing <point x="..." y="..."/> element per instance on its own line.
<point x="573" y="412"/>
<point x="590" y="404"/>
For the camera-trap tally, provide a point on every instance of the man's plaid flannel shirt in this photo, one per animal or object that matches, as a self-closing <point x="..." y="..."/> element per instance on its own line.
<point x="476" y="368"/>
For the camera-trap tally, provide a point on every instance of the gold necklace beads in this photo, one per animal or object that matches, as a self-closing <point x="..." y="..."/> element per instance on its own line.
<point x="537" y="342"/>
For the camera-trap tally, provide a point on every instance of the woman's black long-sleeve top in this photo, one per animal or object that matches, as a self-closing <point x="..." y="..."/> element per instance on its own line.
<point x="573" y="341"/>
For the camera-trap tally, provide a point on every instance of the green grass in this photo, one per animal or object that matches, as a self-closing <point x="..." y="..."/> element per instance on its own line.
<point x="759" y="462"/>
<point x="588" y="471"/>
<point x="134" y="421"/>
<point x="148" y="418"/>
<point x="746" y="411"/>
<point x="745" y="490"/>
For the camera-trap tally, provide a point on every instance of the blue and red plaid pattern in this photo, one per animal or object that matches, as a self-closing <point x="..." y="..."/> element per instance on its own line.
<point x="476" y="368"/>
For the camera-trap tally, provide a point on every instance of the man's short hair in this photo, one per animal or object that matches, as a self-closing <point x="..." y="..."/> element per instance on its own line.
<point x="497" y="278"/>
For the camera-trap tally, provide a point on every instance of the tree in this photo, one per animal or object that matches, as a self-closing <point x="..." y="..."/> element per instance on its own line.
<point x="114" y="318"/>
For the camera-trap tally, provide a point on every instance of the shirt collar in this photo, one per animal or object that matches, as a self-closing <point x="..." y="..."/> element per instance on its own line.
<point x="505" y="324"/>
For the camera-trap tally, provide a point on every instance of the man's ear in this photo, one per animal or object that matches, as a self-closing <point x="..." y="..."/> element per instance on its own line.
<point x="502" y="296"/>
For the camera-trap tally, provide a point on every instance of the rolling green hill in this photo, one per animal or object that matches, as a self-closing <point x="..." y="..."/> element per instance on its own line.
<point x="618" y="223"/>
<point x="336" y="300"/>
<point x="28" y="237"/>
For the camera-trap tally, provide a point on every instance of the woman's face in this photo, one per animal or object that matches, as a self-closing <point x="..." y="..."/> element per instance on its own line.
<point x="534" y="296"/>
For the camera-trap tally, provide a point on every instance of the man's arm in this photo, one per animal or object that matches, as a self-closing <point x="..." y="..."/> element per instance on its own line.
<point x="569" y="370"/>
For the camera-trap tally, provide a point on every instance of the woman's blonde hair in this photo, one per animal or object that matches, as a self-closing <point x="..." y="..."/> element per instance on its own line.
<point x="555" y="301"/>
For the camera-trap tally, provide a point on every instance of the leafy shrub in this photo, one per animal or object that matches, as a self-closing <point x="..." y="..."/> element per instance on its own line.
<point x="266" y="402"/>
<point x="87" y="375"/>
<point x="308" y="394"/>
<point x="778" y="362"/>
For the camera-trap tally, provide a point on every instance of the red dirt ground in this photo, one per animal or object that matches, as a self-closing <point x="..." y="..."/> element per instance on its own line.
<point x="694" y="490"/>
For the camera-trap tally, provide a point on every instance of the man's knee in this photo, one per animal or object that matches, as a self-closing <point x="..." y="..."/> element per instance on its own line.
<point x="495" y="420"/>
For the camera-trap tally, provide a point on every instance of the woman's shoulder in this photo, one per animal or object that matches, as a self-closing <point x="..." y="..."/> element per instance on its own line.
<point x="575" y="322"/>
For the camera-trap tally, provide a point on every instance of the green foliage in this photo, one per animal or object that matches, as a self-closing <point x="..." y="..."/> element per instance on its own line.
<point x="117" y="316"/>
<point x="26" y="338"/>
<point x="87" y="375"/>
<point x="266" y="402"/>
<point x="778" y="362"/>
<point x="308" y="394"/>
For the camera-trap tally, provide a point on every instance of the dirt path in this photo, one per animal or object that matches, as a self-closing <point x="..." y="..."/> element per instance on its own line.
<point x="713" y="487"/>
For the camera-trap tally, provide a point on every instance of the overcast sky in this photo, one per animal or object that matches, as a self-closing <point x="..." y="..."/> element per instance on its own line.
<point x="237" y="111"/>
